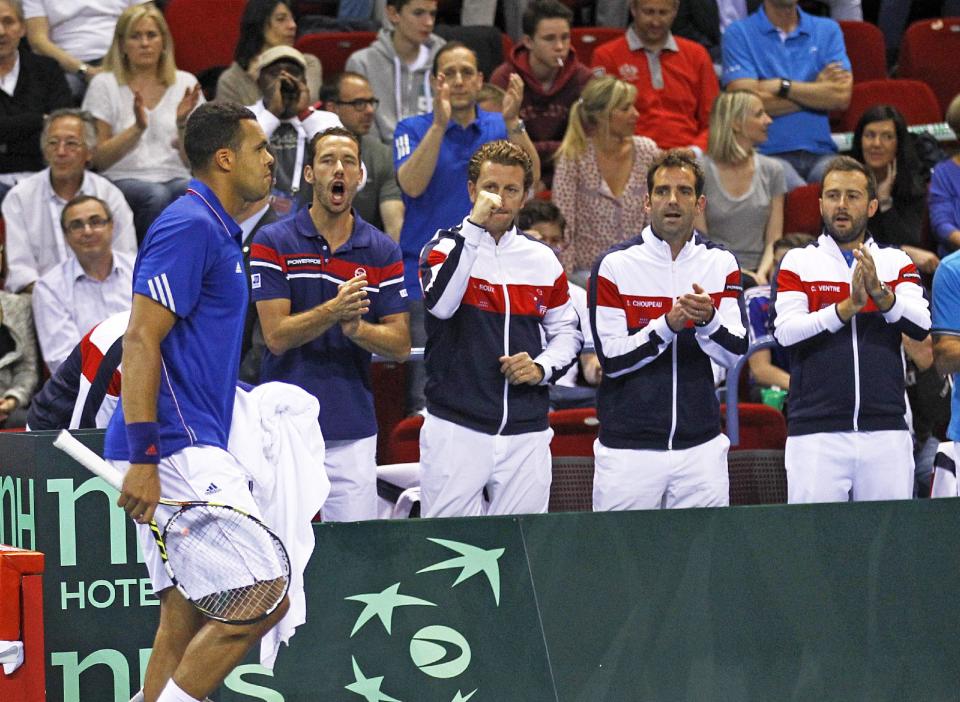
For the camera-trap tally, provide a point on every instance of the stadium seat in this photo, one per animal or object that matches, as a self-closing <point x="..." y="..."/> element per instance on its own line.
<point x="757" y="477"/>
<point x="488" y="43"/>
<point x="586" y="39"/>
<point x="333" y="49"/>
<point x="761" y="426"/>
<point x="930" y="51"/>
<point x="388" y="381"/>
<point x="405" y="441"/>
<point x="914" y="99"/>
<point x="572" y="487"/>
<point x="801" y="210"/>
<point x="866" y="49"/>
<point x="574" y="431"/>
<point x="205" y="32"/>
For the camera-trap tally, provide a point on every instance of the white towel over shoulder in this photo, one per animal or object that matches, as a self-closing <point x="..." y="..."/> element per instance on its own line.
<point x="276" y="437"/>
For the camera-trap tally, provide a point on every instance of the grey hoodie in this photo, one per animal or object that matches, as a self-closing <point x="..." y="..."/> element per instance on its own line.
<point x="402" y="92"/>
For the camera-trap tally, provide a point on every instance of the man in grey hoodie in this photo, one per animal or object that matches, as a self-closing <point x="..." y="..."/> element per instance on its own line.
<point x="398" y="64"/>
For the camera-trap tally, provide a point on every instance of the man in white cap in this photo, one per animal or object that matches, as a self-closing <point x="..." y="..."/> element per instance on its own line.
<point x="289" y="121"/>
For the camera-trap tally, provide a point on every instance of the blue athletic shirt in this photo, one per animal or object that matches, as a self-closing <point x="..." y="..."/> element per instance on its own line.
<point x="190" y="262"/>
<point x="291" y="260"/>
<point x="752" y="48"/>
<point x="946" y="322"/>
<point x="445" y="202"/>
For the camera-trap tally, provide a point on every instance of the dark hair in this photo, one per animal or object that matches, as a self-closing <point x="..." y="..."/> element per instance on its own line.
<point x="79" y="200"/>
<point x="541" y="10"/>
<point x="677" y="158"/>
<point x="450" y="46"/>
<point x="398" y="4"/>
<point x="908" y="184"/>
<point x="211" y="127"/>
<point x="332" y="131"/>
<point x="334" y="93"/>
<point x="538" y="210"/>
<point x="793" y="240"/>
<point x="851" y="165"/>
<point x="504" y="153"/>
<point x="252" y="24"/>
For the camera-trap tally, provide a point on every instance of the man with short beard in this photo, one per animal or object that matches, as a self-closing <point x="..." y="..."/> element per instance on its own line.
<point x="840" y="306"/>
<point x="329" y="293"/>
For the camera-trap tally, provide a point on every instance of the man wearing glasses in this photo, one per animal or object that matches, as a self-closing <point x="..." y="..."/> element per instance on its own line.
<point x="85" y="288"/>
<point x="379" y="202"/>
<point x="32" y="208"/>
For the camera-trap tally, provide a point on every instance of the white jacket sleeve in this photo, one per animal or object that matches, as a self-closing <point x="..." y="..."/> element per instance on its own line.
<point x="561" y="326"/>
<point x="445" y="265"/>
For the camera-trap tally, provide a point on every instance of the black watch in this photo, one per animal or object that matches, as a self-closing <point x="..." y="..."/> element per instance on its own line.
<point x="785" y="85"/>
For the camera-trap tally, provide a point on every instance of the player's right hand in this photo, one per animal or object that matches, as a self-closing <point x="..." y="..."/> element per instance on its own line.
<point x="351" y="300"/>
<point x="484" y="207"/>
<point x="140" y="492"/>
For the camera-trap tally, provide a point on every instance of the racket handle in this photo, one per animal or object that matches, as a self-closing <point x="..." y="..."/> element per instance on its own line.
<point x="88" y="459"/>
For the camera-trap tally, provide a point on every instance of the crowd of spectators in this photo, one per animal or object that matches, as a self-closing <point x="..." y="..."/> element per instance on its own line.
<point x="93" y="107"/>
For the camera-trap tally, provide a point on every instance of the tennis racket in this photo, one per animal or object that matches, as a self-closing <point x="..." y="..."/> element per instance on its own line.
<point x="227" y="563"/>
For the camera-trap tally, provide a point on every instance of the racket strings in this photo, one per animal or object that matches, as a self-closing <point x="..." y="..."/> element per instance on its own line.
<point x="230" y="566"/>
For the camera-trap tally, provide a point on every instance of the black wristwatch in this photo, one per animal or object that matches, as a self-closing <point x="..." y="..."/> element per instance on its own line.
<point x="785" y="85"/>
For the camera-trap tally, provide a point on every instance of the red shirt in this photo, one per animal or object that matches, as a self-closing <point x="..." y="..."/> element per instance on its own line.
<point x="678" y="114"/>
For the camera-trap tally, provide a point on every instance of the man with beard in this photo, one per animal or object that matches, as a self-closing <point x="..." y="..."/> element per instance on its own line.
<point x="663" y="304"/>
<point x="840" y="306"/>
<point x="329" y="293"/>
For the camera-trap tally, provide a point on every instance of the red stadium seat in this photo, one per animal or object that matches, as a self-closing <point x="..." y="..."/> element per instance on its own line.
<point x="866" y="49"/>
<point x="930" y="51"/>
<point x="914" y="99"/>
<point x="405" y="440"/>
<point x="205" y="32"/>
<point x="389" y="382"/>
<point x="586" y="39"/>
<point x="801" y="210"/>
<point x="573" y="432"/>
<point x="334" y="48"/>
<point x="761" y="426"/>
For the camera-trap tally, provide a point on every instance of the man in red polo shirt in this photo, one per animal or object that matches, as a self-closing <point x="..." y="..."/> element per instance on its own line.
<point x="675" y="79"/>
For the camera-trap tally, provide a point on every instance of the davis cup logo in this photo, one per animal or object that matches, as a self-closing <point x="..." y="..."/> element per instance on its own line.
<point x="436" y="650"/>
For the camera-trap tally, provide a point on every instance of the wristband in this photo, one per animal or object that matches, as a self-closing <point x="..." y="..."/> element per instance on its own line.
<point x="308" y="110"/>
<point x="143" y="442"/>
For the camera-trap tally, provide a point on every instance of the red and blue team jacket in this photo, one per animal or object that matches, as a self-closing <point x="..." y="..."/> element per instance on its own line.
<point x="658" y="389"/>
<point x="485" y="300"/>
<point x="845" y="376"/>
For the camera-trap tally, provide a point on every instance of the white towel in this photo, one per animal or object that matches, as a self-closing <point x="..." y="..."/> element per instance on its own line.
<point x="11" y="655"/>
<point x="276" y="437"/>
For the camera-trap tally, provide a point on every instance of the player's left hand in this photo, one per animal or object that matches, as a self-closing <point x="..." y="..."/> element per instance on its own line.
<point x="191" y="96"/>
<point x="698" y="305"/>
<point x="512" y="100"/>
<point x="350" y="326"/>
<point x="520" y="369"/>
<point x="868" y="270"/>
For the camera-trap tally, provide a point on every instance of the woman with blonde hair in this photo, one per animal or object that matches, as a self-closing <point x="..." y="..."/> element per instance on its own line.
<point x="600" y="182"/>
<point x="141" y="103"/>
<point x="744" y="189"/>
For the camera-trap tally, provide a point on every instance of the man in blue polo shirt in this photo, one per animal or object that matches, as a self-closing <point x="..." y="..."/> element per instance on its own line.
<point x="431" y="153"/>
<point x="181" y="355"/>
<point x="329" y="292"/>
<point x="798" y="65"/>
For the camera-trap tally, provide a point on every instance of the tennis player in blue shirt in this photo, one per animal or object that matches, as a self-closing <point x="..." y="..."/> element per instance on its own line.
<point x="181" y="355"/>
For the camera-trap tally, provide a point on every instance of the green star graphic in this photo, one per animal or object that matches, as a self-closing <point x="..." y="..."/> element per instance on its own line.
<point x="382" y="605"/>
<point x="472" y="560"/>
<point x="461" y="698"/>
<point x="368" y="688"/>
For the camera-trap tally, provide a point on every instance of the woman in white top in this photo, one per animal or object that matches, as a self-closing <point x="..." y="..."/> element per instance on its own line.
<point x="141" y="103"/>
<point x="600" y="182"/>
<point x="744" y="189"/>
